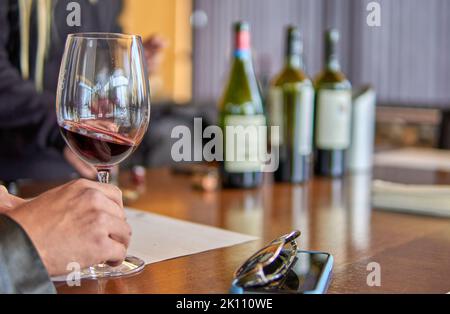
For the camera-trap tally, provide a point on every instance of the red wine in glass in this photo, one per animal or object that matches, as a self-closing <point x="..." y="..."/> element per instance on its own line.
<point x="103" y="110"/>
<point x="97" y="146"/>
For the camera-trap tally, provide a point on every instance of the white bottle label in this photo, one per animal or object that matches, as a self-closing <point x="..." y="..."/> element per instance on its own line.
<point x="245" y="143"/>
<point x="304" y="116"/>
<point x="276" y="115"/>
<point x="360" y="152"/>
<point x="333" y="119"/>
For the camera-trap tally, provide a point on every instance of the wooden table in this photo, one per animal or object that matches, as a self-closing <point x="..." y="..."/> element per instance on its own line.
<point x="334" y="216"/>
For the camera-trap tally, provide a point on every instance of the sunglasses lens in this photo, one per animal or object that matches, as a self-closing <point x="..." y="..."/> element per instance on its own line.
<point x="277" y="264"/>
<point x="261" y="257"/>
<point x="270" y="263"/>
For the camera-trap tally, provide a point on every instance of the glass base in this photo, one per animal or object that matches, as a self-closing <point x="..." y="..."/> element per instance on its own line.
<point x="131" y="265"/>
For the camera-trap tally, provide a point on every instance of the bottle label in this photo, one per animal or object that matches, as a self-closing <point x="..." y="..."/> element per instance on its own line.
<point x="276" y="115"/>
<point x="300" y="111"/>
<point x="245" y="143"/>
<point x="306" y="118"/>
<point x="333" y="119"/>
<point x="360" y="152"/>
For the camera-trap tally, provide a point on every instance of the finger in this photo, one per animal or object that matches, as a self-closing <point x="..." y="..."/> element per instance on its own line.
<point x="9" y="201"/>
<point x="3" y="189"/>
<point x="15" y="201"/>
<point x="5" y="203"/>
<point x="110" y="191"/>
<point x="4" y="196"/>
<point x="155" y="39"/>
<point x="159" y="43"/>
<point x="85" y="170"/>
<point x="99" y="201"/>
<point x="119" y="231"/>
<point x="155" y="42"/>
<point x="115" y="253"/>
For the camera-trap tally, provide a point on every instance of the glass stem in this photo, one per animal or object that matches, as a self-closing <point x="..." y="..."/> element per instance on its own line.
<point x="103" y="175"/>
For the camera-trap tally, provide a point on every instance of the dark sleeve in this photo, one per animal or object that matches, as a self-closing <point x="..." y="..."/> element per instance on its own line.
<point x="20" y="103"/>
<point x="117" y="11"/>
<point x="21" y="268"/>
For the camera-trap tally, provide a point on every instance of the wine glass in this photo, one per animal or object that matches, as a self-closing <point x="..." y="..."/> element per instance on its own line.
<point x="103" y="109"/>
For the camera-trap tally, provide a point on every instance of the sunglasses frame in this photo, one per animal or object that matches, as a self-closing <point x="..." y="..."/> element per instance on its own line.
<point x="255" y="276"/>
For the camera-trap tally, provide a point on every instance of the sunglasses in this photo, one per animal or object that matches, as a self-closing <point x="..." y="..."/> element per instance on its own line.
<point x="270" y="266"/>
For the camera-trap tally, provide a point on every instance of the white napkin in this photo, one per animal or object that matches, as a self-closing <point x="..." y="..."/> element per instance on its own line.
<point x="414" y="158"/>
<point x="419" y="199"/>
<point x="156" y="238"/>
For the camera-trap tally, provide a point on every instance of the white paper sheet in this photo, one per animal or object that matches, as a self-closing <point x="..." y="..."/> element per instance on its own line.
<point x="423" y="199"/>
<point x="415" y="158"/>
<point x="156" y="238"/>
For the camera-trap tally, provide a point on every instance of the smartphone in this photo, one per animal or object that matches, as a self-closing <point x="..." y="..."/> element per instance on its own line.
<point x="310" y="274"/>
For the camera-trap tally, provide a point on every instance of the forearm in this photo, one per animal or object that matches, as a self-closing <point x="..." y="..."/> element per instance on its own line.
<point x="21" y="268"/>
<point x="21" y="105"/>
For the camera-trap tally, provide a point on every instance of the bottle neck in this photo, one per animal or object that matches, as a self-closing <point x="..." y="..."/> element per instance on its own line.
<point x="242" y="44"/>
<point x="293" y="50"/>
<point x="332" y="64"/>
<point x="294" y="61"/>
<point x="331" y="58"/>
<point x="242" y="65"/>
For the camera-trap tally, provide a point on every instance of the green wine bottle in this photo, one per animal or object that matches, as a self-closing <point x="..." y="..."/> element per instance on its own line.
<point x="333" y="112"/>
<point x="291" y="107"/>
<point x="241" y="115"/>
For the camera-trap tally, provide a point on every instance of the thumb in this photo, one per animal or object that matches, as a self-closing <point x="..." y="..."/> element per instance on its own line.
<point x="85" y="170"/>
<point x="8" y="201"/>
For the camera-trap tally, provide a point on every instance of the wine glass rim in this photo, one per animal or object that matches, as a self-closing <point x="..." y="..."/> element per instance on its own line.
<point x="99" y="35"/>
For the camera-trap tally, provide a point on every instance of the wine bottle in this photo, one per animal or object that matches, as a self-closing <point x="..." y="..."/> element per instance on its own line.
<point x="291" y="107"/>
<point x="333" y="112"/>
<point x="241" y="114"/>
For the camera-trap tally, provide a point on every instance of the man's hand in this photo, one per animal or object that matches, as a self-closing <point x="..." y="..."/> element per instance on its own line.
<point x="8" y="201"/>
<point x="153" y="47"/>
<point x="81" y="221"/>
<point x="85" y="170"/>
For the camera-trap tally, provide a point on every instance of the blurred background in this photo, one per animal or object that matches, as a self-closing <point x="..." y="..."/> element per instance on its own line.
<point x="405" y="60"/>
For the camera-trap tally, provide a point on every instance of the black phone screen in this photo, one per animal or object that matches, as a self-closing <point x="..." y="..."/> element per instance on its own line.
<point x="307" y="271"/>
<point x="310" y="273"/>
